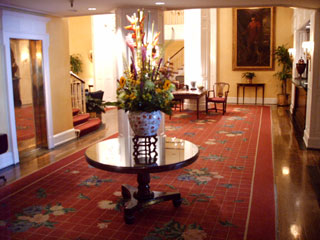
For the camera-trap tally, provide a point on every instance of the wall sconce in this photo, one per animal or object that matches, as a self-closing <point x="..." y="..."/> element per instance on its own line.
<point x="307" y="48"/>
<point x="292" y="53"/>
<point x="39" y="55"/>
<point x="24" y="56"/>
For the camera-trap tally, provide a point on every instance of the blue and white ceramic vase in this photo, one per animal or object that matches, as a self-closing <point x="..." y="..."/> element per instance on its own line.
<point x="145" y="124"/>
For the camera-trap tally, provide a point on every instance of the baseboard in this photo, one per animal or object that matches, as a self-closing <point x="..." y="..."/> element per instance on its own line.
<point x="6" y="159"/>
<point x="64" y="137"/>
<point x="311" y="142"/>
<point x="247" y="100"/>
<point x="191" y="104"/>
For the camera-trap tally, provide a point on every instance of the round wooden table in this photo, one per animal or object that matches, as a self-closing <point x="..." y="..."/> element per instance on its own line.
<point x="142" y="156"/>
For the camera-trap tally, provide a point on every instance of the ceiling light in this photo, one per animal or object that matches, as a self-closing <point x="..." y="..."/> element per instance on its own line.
<point x="160" y="3"/>
<point x="92" y="9"/>
<point x="285" y="171"/>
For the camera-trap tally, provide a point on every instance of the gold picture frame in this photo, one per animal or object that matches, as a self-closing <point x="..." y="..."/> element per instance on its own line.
<point x="253" y="38"/>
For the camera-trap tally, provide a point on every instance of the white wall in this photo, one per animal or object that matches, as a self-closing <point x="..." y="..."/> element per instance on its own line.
<point x="192" y="46"/>
<point x="174" y="32"/>
<point x="312" y="128"/>
<point x="104" y="50"/>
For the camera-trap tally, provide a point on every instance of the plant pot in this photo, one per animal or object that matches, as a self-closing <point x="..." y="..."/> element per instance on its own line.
<point x="145" y="124"/>
<point x="93" y="114"/>
<point x="300" y="68"/>
<point x="249" y="80"/>
<point x="283" y="100"/>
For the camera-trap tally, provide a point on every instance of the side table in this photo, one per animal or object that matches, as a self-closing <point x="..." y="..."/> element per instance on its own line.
<point x="255" y="85"/>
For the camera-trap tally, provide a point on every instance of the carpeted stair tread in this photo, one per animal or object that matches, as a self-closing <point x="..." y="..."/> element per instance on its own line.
<point x="89" y="126"/>
<point x="75" y="111"/>
<point x="80" y="118"/>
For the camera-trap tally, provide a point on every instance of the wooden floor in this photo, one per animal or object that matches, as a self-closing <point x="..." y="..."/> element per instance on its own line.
<point x="296" y="173"/>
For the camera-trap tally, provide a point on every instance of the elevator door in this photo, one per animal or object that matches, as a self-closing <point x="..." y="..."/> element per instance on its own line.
<point x="28" y="92"/>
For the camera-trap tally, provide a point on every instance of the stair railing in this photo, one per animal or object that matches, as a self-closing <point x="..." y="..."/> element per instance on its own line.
<point x="78" y="96"/>
<point x="177" y="59"/>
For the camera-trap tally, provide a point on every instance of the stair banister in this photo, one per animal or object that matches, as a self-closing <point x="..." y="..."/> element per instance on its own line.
<point x="177" y="59"/>
<point x="176" y="53"/>
<point x="78" y="97"/>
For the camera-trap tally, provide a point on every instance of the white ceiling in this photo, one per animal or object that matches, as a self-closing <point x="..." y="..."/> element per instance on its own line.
<point x="62" y="8"/>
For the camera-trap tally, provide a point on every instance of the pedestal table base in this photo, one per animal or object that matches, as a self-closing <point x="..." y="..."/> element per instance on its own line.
<point x="141" y="197"/>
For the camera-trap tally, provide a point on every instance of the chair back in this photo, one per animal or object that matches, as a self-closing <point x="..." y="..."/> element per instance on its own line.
<point x="96" y="94"/>
<point x="180" y="81"/>
<point x="221" y="89"/>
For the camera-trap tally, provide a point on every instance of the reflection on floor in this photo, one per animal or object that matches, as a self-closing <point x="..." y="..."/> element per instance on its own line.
<point x="25" y="127"/>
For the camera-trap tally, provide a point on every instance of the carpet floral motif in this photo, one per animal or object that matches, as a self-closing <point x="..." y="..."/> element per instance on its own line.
<point x="176" y="230"/>
<point x="37" y="216"/>
<point x="94" y="181"/>
<point x="112" y="205"/>
<point x="199" y="176"/>
<point x="81" y="202"/>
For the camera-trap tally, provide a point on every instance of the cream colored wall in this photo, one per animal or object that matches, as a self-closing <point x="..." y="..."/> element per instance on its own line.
<point x="171" y="48"/>
<point x="57" y="28"/>
<point x="80" y="42"/>
<point x="283" y="35"/>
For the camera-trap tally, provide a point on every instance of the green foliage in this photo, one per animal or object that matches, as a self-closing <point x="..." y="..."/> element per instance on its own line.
<point x="76" y="63"/>
<point x="249" y="75"/>
<point x="95" y="105"/>
<point x="145" y="84"/>
<point x="283" y="57"/>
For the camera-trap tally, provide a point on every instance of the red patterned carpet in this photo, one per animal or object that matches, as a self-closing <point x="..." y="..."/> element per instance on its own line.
<point x="228" y="192"/>
<point x="24" y="122"/>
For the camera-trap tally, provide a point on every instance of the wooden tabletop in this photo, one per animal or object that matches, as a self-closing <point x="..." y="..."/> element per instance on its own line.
<point x="116" y="155"/>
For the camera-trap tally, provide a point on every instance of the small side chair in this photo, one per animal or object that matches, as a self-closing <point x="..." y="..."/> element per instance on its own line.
<point x="179" y="82"/>
<point x="219" y="94"/>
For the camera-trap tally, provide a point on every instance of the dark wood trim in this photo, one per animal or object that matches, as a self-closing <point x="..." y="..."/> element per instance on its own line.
<point x="72" y="74"/>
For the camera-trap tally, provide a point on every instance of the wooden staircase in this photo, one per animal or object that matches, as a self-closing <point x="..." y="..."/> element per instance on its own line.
<point x="176" y="64"/>
<point x="83" y="124"/>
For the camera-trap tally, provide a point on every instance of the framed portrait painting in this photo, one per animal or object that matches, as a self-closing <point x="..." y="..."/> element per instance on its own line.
<point x="253" y="38"/>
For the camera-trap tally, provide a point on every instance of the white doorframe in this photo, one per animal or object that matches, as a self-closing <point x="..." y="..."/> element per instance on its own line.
<point x="12" y="29"/>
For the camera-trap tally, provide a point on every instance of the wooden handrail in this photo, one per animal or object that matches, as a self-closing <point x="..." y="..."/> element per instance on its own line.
<point x="176" y="53"/>
<point x="78" y="97"/>
<point x="76" y="76"/>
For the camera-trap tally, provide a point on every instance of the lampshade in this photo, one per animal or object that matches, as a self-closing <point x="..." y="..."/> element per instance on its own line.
<point x="307" y="45"/>
<point x="292" y="51"/>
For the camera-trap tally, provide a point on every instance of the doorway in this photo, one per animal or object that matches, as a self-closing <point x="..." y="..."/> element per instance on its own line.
<point x="28" y="93"/>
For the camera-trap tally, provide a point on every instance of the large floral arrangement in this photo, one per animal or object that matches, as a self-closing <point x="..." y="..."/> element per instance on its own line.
<point x="145" y="84"/>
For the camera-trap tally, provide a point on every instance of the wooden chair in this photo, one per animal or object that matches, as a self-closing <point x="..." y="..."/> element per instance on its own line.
<point x="179" y="82"/>
<point x="219" y="94"/>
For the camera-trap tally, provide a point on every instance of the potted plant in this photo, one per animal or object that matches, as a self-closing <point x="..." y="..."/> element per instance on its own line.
<point x="95" y="106"/>
<point x="282" y="56"/>
<point x="144" y="90"/>
<point x="249" y="76"/>
<point x="76" y="63"/>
